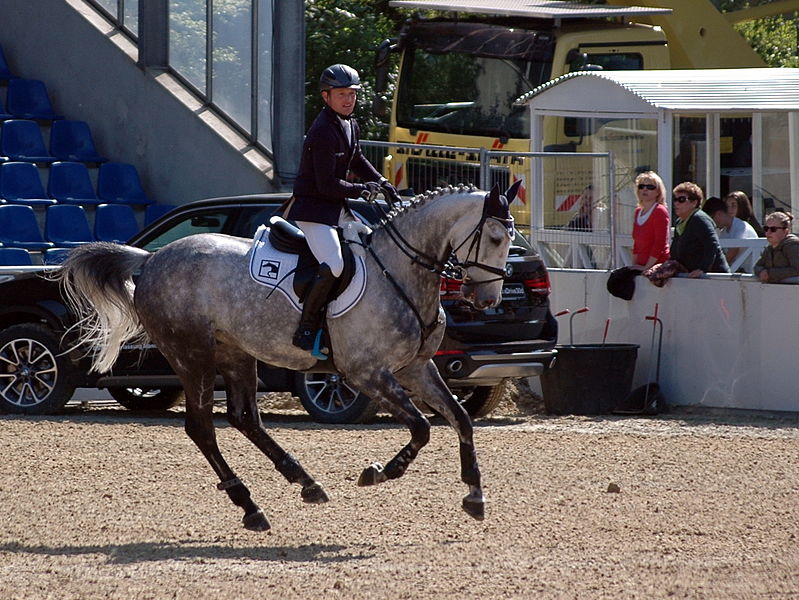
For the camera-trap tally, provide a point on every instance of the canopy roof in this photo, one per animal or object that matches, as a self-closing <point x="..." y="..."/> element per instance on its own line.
<point x="689" y="90"/>
<point x="539" y="9"/>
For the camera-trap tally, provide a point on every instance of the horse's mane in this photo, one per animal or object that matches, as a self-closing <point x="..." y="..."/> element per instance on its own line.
<point x="420" y="199"/>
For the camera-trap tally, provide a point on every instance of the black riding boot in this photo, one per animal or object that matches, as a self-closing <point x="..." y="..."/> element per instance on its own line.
<point x="315" y="300"/>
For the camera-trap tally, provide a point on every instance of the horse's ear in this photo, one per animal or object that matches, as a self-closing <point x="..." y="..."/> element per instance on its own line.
<point x="511" y="192"/>
<point x="496" y="205"/>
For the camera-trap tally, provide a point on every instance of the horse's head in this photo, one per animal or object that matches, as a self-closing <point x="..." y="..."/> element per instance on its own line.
<point x="487" y="252"/>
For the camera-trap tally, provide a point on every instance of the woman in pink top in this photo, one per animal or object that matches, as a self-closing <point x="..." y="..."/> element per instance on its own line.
<point x="651" y="222"/>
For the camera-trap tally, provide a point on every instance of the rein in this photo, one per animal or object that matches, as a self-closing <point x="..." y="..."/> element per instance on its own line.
<point x="451" y="268"/>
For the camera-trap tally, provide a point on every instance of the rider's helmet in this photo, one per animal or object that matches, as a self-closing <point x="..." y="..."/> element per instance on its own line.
<point x="339" y="76"/>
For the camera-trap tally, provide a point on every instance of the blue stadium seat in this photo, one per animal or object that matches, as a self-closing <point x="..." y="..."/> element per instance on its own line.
<point x="20" y="184"/>
<point x="55" y="256"/>
<point x="69" y="183"/>
<point x="66" y="226"/>
<point x="28" y="99"/>
<point x="18" y="228"/>
<point x="119" y="183"/>
<point x="21" y="139"/>
<point x="4" y="116"/>
<point x="72" y="140"/>
<point x="155" y="211"/>
<point x="114" y="223"/>
<point x="15" y="257"/>
<point x="5" y="71"/>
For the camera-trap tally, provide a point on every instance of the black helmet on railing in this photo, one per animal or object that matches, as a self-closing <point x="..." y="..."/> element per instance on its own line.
<point x="339" y="76"/>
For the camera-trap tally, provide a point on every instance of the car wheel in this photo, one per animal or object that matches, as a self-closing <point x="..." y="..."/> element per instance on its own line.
<point x="146" y="398"/>
<point x="328" y="399"/>
<point x="35" y="377"/>
<point x="480" y="400"/>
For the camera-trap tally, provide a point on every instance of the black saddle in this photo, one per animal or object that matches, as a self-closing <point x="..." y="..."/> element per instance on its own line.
<point x="288" y="238"/>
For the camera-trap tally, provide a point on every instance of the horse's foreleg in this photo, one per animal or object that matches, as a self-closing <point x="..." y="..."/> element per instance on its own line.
<point x="199" y="388"/>
<point x="425" y="380"/>
<point x="239" y="371"/>
<point x="392" y="397"/>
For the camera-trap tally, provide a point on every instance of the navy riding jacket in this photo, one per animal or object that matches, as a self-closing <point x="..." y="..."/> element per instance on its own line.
<point x="327" y="157"/>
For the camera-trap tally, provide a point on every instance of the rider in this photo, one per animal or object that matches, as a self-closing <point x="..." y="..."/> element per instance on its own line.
<point x="330" y="151"/>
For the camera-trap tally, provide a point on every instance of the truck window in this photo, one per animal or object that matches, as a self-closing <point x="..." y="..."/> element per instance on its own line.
<point x="463" y="78"/>
<point x="616" y="61"/>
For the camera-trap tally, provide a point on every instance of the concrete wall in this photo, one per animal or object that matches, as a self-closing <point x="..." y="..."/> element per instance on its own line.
<point x="92" y="75"/>
<point x="726" y="343"/>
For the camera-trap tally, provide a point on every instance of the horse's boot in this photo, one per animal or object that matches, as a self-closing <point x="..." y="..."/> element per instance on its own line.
<point x="315" y="300"/>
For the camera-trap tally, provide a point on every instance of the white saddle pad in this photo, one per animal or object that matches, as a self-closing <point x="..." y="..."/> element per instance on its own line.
<point x="275" y="269"/>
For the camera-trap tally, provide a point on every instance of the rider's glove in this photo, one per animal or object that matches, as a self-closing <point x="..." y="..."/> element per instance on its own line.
<point x="372" y="189"/>
<point x="389" y="191"/>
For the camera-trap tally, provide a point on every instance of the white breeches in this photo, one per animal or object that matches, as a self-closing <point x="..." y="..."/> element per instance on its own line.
<point x="323" y="242"/>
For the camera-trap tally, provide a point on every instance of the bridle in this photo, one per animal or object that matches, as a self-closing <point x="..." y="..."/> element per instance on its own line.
<point x="451" y="267"/>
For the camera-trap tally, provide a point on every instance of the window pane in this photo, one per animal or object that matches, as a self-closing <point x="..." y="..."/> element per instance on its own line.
<point x="187" y="37"/>
<point x="690" y="147"/>
<point x="232" y="59"/>
<point x="212" y="222"/>
<point x="774" y="190"/>
<point x="131" y="23"/>
<point x="265" y="16"/>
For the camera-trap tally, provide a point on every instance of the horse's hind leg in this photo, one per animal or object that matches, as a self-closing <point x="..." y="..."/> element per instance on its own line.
<point x="384" y="388"/>
<point x="239" y="371"/>
<point x="198" y="383"/>
<point x="425" y="380"/>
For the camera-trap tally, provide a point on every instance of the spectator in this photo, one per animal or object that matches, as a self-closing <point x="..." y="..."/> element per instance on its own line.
<point x="582" y="220"/>
<point x="729" y="226"/>
<point x="780" y="259"/>
<point x="739" y="205"/>
<point x="695" y="248"/>
<point x="650" y="222"/>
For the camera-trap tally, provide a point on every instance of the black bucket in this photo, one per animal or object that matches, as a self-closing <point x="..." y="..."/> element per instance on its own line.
<point x="589" y="379"/>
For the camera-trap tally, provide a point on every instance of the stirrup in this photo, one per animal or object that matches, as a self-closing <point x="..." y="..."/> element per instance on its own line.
<point x="318" y="352"/>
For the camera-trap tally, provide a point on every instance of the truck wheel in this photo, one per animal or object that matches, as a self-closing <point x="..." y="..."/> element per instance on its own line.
<point x="479" y="401"/>
<point x="35" y="377"/>
<point x="146" y="398"/>
<point x="328" y="399"/>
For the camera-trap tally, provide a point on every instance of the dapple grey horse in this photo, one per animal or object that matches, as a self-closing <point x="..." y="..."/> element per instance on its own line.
<point x="195" y="300"/>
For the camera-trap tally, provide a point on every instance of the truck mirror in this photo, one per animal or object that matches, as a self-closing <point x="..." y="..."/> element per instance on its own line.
<point x="577" y="127"/>
<point x="382" y="64"/>
<point x="379" y="106"/>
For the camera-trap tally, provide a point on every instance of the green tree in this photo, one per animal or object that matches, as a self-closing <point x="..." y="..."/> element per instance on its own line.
<point x="347" y="31"/>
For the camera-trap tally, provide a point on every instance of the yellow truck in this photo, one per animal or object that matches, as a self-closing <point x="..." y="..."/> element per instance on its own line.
<point x="463" y="63"/>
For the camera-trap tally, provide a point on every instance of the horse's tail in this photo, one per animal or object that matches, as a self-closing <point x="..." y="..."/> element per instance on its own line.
<point x="97" y="280"/>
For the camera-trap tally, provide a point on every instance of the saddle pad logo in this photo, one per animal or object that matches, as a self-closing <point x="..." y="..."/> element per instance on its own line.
<point x="269" y="269"/>
<point x="275" y="269"/>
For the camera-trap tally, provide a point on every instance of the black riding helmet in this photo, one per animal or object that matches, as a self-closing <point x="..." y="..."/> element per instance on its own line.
<point x="339" y="76"/>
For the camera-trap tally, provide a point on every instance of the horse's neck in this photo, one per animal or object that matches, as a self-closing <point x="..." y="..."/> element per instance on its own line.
<point x="437" y="224"/>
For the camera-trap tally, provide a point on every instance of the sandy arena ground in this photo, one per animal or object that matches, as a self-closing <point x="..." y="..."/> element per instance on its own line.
<point x="100" y="503"/>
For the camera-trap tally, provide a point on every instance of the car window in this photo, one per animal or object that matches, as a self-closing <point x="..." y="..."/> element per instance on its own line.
<point x="251" y="218"/>
<point x="207" y="222"/>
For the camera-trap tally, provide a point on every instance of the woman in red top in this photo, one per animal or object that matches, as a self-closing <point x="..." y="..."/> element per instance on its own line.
<point x="651" y="222"/>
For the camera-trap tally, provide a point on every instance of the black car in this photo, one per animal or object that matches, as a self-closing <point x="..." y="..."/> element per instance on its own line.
<point x="479" y="352"/>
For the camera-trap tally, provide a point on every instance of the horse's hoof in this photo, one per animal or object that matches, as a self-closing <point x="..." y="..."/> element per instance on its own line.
<point x="474" y="507"/>
<point x="256" y="521"/>
<point x="372" y="475"/>
<point x="314" y="494"/>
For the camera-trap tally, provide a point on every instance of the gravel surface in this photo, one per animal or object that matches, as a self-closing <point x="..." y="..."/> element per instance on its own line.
<point x="101" y="503"/>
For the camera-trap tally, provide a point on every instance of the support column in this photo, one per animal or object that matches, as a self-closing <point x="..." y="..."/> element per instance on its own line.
<point x="288" y="124"/>
<point x="153" y="34"/>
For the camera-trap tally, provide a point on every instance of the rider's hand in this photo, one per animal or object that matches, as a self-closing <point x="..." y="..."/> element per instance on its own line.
<point x="372" y="189"/>
<point x="390" y="192"/>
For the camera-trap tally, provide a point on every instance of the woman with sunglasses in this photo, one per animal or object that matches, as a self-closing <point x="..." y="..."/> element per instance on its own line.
<point x="780" y="259"/>
<point x="695" y="244"/>
<point x="695" y="247"/>
<point x="650" y="222"/>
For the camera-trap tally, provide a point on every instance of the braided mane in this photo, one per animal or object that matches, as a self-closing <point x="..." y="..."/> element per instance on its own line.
<point x="419" y="199"/>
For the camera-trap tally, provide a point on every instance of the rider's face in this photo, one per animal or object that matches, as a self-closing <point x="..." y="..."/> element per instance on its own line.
<point x="341" y="100"/>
